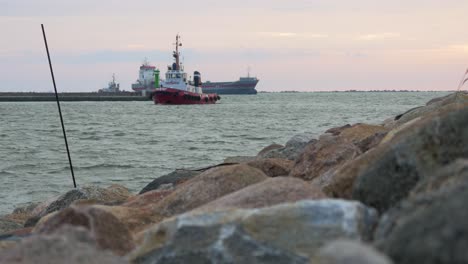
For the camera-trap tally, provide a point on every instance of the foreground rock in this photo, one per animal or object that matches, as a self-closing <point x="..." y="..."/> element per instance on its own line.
<point x="335" y="148"/>
<point x="385" y="175"/>
<point x="269" y="235"/>
<point x="207" y="187"/>
<point x="172" y="179"/>
<point x="109" y="233"/>
<point x="349" y="252"/>
<point x="452" y="175"/>
<point x="427" y="228"/>
<point x="69" y="245"/>
<point x="267" y="193"/>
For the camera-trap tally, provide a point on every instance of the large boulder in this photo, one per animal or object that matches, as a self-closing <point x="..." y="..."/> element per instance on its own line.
<point x="350" y="252"/>
<point x="207" y="187"/>
<point x="429" y="227"/>
<point x="68" y="245"/>
<point x="335" y="148"/>
<point x="267" y="193"/>
<point x="174" y="178"/>
<point x="108" y="231"/>
<point x="456" y="173"/>
<point x="286" y="233"/>
<point x="386" y="174"/>
<point x="273" y="167"/>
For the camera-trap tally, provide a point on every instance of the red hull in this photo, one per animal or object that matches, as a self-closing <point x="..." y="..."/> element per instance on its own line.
<point x="178" y="97"/>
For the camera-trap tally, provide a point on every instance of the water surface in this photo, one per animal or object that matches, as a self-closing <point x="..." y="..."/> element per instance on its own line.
<point x="131" y="143"/>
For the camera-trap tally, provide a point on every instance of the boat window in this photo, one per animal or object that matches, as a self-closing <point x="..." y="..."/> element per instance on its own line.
<point x="178" y="75"/>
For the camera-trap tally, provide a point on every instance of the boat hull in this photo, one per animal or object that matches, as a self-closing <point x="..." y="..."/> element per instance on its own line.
<point x="178" y="97"/>
<point x="246" y="86"/>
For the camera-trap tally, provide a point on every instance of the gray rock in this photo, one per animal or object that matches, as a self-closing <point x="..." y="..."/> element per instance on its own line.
<point x="285" y="233"/>
<point x="350" y="252"/>
<point x="64" y="201"/>
<point x="456" y="173"/>
<point x="293" y="148"/>
<point x="173" y="178"/>
<point x="111" y="195"/>
<point x="268" y="149"/>
<point x="427" y="228"/>
<point x="433" y="106"/>
<point x="70" y="245"/>
<point x="7" y="226"/>
<point x="386" y="175"/>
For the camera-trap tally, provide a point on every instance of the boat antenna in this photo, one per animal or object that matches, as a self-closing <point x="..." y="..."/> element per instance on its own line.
<point x="248" y="71"/>
<point x="58" y="105"/>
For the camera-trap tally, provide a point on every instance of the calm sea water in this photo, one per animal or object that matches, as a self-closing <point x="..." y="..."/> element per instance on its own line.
<point x="131" y="143"/>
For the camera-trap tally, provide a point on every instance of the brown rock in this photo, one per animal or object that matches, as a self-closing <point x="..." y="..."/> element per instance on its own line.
<point x="207" y="187"/>
<point x="6" y="245"/>
<point x="332" y="151"/>
<point x="147" y="198"/>
<point x="135" y="219"/>
<point x="326" y="154"/>
<point x="71" y="245"/>
<point x="273" y="167"/>
<point x="108" y="231"/>
<point x="267" y="193"/>
<point x="339" y="183"/>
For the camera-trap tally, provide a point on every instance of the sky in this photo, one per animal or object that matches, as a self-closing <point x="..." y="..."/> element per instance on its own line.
<point x="300" y="45"/>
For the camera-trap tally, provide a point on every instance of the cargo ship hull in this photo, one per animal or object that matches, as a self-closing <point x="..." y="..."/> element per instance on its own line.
<point x="237" y="87"/>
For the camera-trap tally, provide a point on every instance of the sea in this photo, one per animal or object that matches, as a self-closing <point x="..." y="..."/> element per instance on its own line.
<point x="132" y="143"/>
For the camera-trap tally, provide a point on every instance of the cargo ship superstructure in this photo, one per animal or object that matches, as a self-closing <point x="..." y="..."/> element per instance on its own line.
<point x="145" y="82"/>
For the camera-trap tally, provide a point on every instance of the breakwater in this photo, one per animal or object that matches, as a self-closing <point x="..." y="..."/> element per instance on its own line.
<point x="71" y="97"/>
<point x="387" y="192"/>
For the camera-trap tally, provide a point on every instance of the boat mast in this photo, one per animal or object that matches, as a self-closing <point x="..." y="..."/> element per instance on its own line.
<point x="176" y="52"/>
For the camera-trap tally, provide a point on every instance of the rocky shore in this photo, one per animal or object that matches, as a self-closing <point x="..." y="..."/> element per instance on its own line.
<point x="384" y="193"/>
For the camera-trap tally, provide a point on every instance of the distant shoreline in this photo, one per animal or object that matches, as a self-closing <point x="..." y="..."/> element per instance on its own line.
<point x="70" y="97"/>
<point x="131" y="96"/>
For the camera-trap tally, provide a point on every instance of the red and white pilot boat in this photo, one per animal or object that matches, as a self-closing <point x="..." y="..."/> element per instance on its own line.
<point x="176" y="88"/>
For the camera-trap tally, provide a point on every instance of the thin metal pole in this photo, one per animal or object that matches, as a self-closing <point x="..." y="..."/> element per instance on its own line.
<point x="58" y="105"/>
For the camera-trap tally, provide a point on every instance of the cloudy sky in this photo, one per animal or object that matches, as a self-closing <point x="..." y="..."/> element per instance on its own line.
<point x="306" y="45"/>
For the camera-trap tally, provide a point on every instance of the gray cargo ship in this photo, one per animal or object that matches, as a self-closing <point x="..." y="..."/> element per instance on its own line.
<point x="245" y="85"/>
